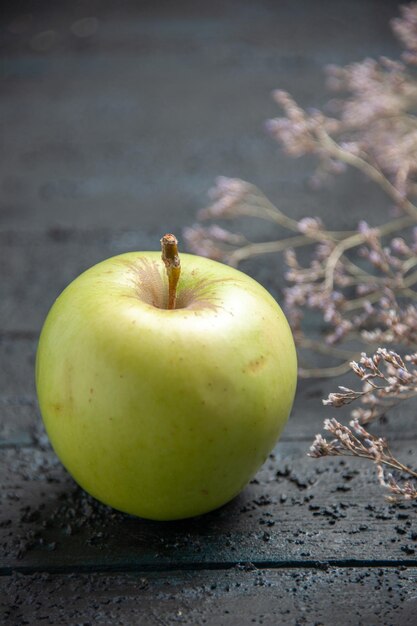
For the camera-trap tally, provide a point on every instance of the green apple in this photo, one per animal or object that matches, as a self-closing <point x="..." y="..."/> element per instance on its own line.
<point x="164" y="413"/>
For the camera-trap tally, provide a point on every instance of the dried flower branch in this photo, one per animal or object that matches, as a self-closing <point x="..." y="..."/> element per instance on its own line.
<point x="358" y="442"/>
<point x="362" y="283"/>
<point x="386" y="381"/>
<point x="384" y="375"/>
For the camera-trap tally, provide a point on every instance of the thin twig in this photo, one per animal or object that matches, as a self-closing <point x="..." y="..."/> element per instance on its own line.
<point x="372" y="172"/>
<point x="326" y="372"/>
<point x="356" y="240"/>
<point x="267" y="247"/>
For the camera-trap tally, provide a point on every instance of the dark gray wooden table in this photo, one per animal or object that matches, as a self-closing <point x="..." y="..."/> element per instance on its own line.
<point x="115" y="119"/>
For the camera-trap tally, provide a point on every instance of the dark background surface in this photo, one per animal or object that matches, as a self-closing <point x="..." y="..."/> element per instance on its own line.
<point x="126" y="128"/>
<point x="116" y="117"/>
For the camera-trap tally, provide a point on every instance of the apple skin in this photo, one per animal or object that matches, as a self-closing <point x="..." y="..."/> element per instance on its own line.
<point x="164" y="414"/>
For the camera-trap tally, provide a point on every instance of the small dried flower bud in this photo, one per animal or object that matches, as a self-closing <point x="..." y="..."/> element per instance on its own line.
<point x="310" y="225"/>
<point x="319" y="447"/>
<point x="399" y="246"/>
<point x="359" y="371"/>
<point x="335" y="399"/>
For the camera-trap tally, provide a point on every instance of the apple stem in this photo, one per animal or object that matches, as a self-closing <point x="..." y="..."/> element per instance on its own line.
<point x="170" y="256"/>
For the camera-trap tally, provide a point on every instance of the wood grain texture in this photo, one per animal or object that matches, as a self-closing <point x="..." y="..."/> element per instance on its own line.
<point x="243" y="595"/>
<point x="128" y="126"/>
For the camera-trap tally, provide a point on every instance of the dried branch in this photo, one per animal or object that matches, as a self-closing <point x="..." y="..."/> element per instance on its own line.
<point x="358" y="442"/>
